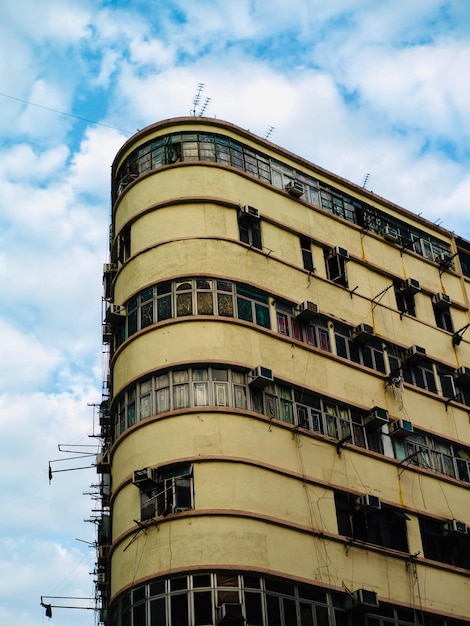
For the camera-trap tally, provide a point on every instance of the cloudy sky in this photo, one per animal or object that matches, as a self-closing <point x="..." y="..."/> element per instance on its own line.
<point x="357" y="86"/>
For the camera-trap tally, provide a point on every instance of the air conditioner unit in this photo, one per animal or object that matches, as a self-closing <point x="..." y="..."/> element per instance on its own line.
<point x="109" y="268"/>
<point x="144" y="478"/>
<point x="368" y="501"/>
<point x="107" y="333"/>
<point x="295" y="188"/>
<point x="364" y="599"/>
<point x="260" y="377"/>
<point x="390" y="233"/>
<point x="410" y="286"/>
<point x="105" y="418"/>
<point x="415" y="354"/>
<point x="306" y="311"/>
<point x="230" y="613"/>
<point x="341" y="252"/>
<point x="441" y="300"/>
<point x="400" y="428"/>
<point x="103" y="462"/>
<point x="362" y="333"/>
<point x="444" y="260"/>
<point x="248" y="211"/>
<point x="376" y="418"/>
<point x="463" y="375"/>
<point x="116" y="314"/>
<point x="454" y="527"/>
<point x="103" y="552"/>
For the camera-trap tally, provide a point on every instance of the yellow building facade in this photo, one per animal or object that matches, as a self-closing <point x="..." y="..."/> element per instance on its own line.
<point x="286" y="418"/>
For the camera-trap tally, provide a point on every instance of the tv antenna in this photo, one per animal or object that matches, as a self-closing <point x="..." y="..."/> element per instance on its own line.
<point x="269" y="132"/>
<point x="365" y="181"/>
<point x="195" y="111"/>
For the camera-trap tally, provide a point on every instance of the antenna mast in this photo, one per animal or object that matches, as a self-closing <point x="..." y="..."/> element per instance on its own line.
<point x="197" y="100"/>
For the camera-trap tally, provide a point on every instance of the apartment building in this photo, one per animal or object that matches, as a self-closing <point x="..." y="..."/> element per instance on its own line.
<point x="285" y="423"/>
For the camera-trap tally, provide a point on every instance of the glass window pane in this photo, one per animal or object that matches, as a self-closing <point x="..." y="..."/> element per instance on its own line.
<point x="163" y="400"/>
<point x="254" y="614"/>
<point x="201" y="396"/>
<point x="164" y="308"/>
<point x="146" y="314"/>
<point x="145" y="405"/>
<point x="203" y="608"/>
<point x="225" y="304"/>
<point x="180" y="396"/>
<point x="184" y="304"/>
<point x="157" y="612"/>
<point x="221" y="394"/>
<point x="274" y="611"/>
<point x="179" y="610"/>
<point x="205" y="304"/>
<point x="262" y="315"/>
<point x="244" y="309"/>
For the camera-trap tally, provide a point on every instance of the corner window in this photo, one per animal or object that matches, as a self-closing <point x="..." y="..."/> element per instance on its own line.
<point x="307" y="256"/>
<point x="335" y="263"/>
<point x="249" y="228"/>
<point x="380" y="525"/>
<point x="124" y="245"/>
<point x="444" y="543"/>
<point x="442" y="314"/>
<point x="172" y="493"/>
<point x="405" y="301"/>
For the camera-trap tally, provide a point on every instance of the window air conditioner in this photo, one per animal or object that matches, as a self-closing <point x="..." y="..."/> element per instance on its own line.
<point x="107" y="333"/>
<point x="363" y="598"/>
<point x="444" y="260"/>
<point x="390" y="233"/>
<point x="410" y="286"/>
<point x="102" y="462"/>
<point x="260" y="377"/>
<point x="362" y="333"/>
<point x="341" y="252"/>
<point x="103" y="552"/>
<point x="454" y="527"/>
<point x="230" y="613"/>
<point x="368" y="501"/>
<point x="248" y="211"/>
<point x="415" y="354"/>
<point x="441" y="300"/>
<point x="376" y="418"/>
<point x="400" y="428"/>
<point x="115" y="314"/>
<point x="306" y="311"/>
<point x="109" y="268"/>
<point x="295" y="188"/>
<point x="144" y="478"/>
<point x="463" y="375"/>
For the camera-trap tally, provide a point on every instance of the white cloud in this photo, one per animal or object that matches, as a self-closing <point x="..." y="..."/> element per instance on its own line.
<point x="353" y="85"/>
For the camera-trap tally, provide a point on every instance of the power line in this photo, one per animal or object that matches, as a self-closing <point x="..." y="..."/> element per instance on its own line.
<point x="77" y="117"/>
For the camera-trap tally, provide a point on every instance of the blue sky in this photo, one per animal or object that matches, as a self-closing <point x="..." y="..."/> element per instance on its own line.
<point x="357" y="86"/>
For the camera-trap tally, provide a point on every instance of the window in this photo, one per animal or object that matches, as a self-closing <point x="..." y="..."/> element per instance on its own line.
<point x="370" y="355"/>
<point x="180" y="389"/>
<point x="440" y="544"/>
<point x="307" y="256"/>
<point x="195" y="296"/>
<point x="420" y="374"/>
<point x="177" y="147"/>
<point x="314" y="333"/>
<point x="405" y="301"/>
<point x="336" y="267"/>
<point x="124" y="245"/>
<point x="442" y="315"/>
<point x="249" y="228"/>
<point x="435" y="454"/>
<point x="172" y="493"/>
<point x="384" y="526"/>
